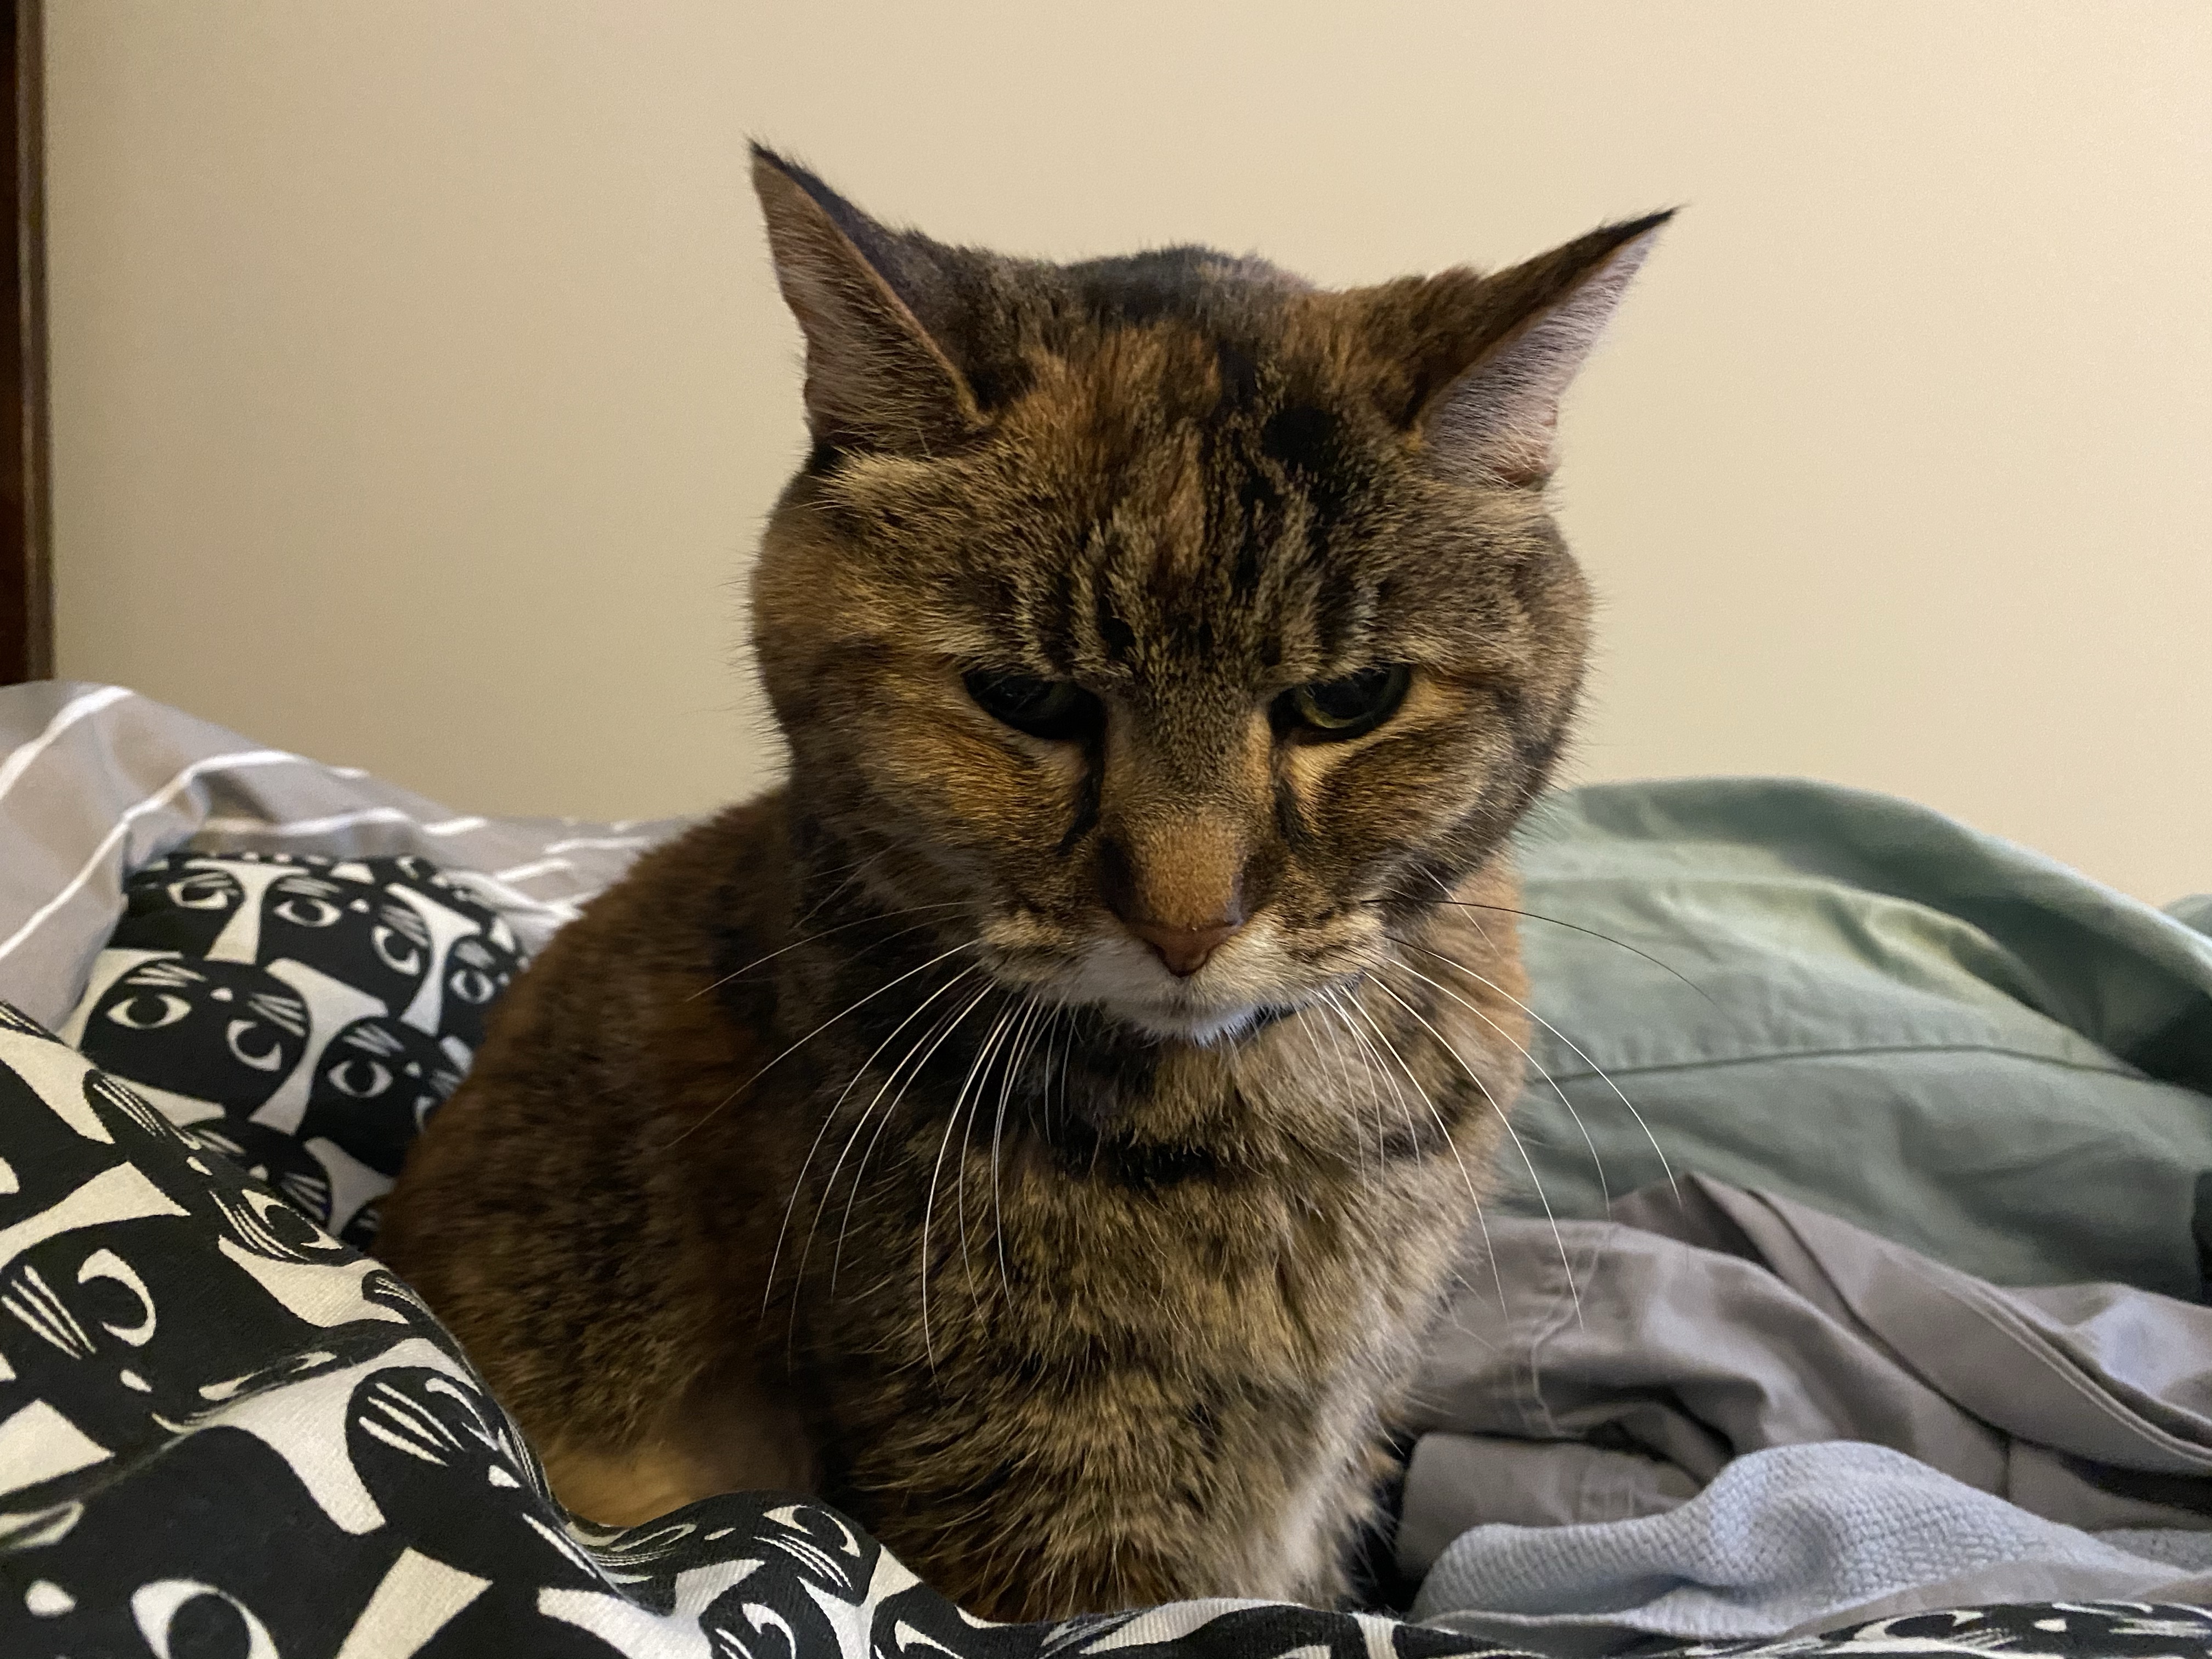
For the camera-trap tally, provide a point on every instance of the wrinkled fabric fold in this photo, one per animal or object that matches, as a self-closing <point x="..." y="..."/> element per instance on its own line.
<point x="1605" y="1413"/>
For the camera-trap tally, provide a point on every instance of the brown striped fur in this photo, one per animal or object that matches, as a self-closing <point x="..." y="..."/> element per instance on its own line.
<point x="859" y="1141"/>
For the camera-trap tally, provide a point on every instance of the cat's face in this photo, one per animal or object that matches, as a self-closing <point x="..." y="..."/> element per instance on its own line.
<point x="1194" y="650"/>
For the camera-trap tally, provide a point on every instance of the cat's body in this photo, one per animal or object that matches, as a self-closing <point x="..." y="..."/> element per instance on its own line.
<point x="1173" y="1384"/>
<point x="1047" y="1128"/>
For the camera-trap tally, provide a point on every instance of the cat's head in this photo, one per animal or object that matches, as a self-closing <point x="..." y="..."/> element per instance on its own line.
<point x="1180" y="627"/>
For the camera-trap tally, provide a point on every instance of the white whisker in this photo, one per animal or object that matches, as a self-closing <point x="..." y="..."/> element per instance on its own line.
<point x="860" y="1003"/>
<point x="984" y="1050"/>
<point x="1034" y="1031"/>
<point x="1368" y="1064"/>
<point x="1597" y="1162"/>
<point x="1559" y="1238"/>
<point x="830" y="1116"/>
<point x="830" y="1183"/>
<point x="1578" y="1054"/>
<point x="1466" y="1177"/>
<point x="860" y="1171"/>
<point x="863" y="922"/>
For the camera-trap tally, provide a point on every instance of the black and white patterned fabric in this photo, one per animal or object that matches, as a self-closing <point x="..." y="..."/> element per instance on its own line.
<point x="226" y="1434"/>
<point x="300" y="1016"/>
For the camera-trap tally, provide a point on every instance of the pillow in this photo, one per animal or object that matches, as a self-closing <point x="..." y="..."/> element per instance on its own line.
<point x="302" y="1015"/>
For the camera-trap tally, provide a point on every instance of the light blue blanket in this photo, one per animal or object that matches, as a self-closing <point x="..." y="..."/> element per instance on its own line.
<point x="1795" y="1538"/>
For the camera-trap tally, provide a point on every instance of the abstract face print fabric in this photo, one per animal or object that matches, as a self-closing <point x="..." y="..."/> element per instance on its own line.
<point x="225" y="1432"/>
<point x="302" y="1016"/>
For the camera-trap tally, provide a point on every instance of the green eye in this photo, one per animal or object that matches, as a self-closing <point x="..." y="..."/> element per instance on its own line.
<point x="1043" y="708"/>
<point x="1330" y="711"/>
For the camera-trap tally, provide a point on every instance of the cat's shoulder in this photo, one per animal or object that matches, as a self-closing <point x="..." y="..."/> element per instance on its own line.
<point x="722" y="885"/>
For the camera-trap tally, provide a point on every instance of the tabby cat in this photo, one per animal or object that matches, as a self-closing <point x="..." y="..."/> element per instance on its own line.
<point x="1045" y="1128"/>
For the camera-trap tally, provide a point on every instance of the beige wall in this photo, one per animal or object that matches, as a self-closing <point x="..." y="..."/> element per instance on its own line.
<point x="419" y="384"/>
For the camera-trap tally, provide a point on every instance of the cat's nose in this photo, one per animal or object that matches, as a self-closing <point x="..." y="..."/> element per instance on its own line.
<point x="1182" y="893"/>
<point x="1184" y="949"/>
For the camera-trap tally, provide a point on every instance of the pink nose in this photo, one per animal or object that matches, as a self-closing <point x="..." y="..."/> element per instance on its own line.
<point x="1184" y="949"/>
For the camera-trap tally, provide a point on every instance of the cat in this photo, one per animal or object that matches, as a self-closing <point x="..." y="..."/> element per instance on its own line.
<point x="1047" y="1127"/>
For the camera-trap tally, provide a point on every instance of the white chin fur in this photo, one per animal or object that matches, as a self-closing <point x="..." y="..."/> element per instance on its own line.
<point x="1176" y="1025"/>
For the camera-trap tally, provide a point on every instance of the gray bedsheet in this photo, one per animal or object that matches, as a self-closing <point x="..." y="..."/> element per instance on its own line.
<point x="96" y="780"/>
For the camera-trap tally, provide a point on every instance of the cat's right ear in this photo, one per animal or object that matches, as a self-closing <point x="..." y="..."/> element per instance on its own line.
<point x="875" y="378"/>
<point x="1481" y="363"/>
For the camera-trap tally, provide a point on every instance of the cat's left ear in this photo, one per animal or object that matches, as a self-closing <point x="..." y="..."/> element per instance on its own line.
<point x="1486" y="358"/>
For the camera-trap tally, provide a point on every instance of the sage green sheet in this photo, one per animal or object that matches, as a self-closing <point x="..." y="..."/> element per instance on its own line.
<point x="1947" y="1039"/>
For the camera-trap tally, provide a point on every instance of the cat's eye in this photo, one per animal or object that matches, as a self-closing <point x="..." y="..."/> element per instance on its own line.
<point x="400" y="955"/>
<point x="1042" y="708"/>
<point x="362" y="1079"/>
<point x="1330" y="711"/>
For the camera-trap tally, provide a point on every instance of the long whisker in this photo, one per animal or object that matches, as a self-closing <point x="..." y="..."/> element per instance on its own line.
<point x="1572" y="926"/>
<point x="997" y="1047"/>
<point x="799" y="1181"/>
<point x="1597" y="1161"/>
<point x="1481" y="1220"/>
<point x="848" y="1008"/>
<point x="1332" y="1060"/>
<point x="1009" y="1050"/>
<point x="1041" y="1033"/>
<point x="830" y="1117"/>
<point x="860" y="1171"/>
<point x="1427" y="1102"/>
<point x="1371" y="1068"/>
<point x="1375" y="1067"/>
<point x="977" y="1067"/>
<point x="911" y="910"/>
<point x="850" y="872"/>
<point x="1440" y="956"/>
<point x="1466" y="1176"/>
<point x="1337" y="1004"/>
<point x="1064" y="1111"/>
<point x="1015" y="1053"/>
<point x="1559" y="1238"/>
<point x="1372" y="1063"/>
<point x="896" y="1079"/>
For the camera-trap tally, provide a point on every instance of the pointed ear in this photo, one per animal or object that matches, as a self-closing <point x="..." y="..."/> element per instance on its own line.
<point x="1487" y="359"/>
<point x="875" y="378"/>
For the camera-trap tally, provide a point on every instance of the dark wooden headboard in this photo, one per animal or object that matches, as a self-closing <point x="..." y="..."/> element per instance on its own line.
<point x="27" y="588"/>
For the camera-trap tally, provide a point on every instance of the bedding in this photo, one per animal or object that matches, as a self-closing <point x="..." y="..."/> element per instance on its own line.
<point x="1660" y="1424"/>
<point x="223" y="1429"/>
<point x="223" y="1432"/>
<point x="1942" y="1037"/>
